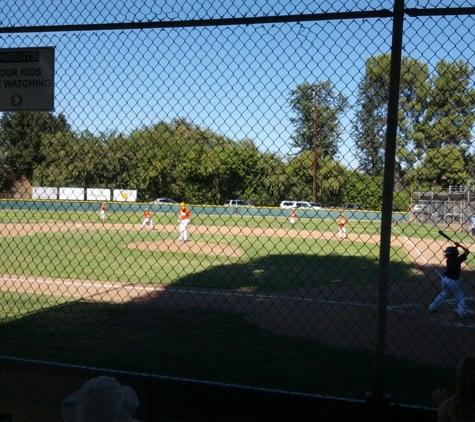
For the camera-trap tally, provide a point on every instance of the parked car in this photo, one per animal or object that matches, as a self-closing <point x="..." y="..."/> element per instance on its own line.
<point x="316" y="205"/>
<point x="165" y="201"/>
<point x="237" y="203"/>
<point x="353" y="207"/>
<point x="417" y="208"/>
<point x="299" y="204"/>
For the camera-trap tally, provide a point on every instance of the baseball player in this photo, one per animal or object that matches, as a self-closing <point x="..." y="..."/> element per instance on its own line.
<point x="293" y="216"/>
<point x="472" y="220"/>
<point x="450" y="280"/>
<point x="147" y="219"/>
<point x="183" y="219"/>
<point x="103" y="211"/>
<point x="341" y="226"/>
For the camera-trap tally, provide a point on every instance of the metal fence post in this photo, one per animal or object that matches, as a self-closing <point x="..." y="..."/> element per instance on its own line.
<point x="379" y="399"/>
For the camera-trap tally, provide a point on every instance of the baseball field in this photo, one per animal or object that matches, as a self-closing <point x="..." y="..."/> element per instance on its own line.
<point x="247" y="300"/>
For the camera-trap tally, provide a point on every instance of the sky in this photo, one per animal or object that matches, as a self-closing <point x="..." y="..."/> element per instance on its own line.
<point x="233" y="80"/>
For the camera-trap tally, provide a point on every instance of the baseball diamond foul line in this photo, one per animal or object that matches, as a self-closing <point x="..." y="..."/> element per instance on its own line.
<point x="107" y="287"/>
<point x="414" y="247"/>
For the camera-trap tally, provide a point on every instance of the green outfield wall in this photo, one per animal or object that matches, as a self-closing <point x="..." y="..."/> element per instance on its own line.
<point x="136" y="207"/>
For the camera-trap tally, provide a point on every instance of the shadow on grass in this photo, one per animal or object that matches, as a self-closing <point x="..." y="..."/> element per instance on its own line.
<point x="203" y="344"/>
<point x="297" y="271"/>
<point x="183" y="336"/>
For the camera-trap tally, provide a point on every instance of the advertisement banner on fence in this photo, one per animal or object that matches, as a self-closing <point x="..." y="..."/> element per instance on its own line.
<point x="98" y="194"/>
<point x="44" y="193"/>
<point x="71" y="194"/>
<point x="125" y="195"/>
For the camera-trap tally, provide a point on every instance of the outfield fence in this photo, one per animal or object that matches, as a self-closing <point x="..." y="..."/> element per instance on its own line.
<point x="350" y="105"/>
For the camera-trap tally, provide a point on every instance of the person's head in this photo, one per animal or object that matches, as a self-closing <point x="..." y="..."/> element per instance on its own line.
<point x="146" y="209"/>
<point x="101" y="399"/>
<point x="183" y="205"/>
<point x="465" y="379"/>
<point x="451" y="252"/>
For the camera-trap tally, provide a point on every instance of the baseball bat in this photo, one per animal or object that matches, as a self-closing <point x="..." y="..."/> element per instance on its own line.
<point x="444" y="235"/>
<point x="448" y="238"/>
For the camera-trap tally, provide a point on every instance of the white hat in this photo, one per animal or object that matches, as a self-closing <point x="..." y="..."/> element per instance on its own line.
<point x="101" y="399"/>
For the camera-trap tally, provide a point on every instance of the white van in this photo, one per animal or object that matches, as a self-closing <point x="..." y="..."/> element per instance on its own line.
<point x="300" y="204"/>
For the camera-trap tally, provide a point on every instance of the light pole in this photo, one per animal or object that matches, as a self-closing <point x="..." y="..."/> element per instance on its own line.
<point x="314" y="145"/>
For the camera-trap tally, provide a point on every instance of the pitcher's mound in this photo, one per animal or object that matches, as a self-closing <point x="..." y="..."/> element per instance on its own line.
<point x="191" y="246"/>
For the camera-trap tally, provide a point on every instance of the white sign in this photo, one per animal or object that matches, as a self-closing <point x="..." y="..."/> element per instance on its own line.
<point x="127" y="195"/>
<point x="42" y="192"/>
<point x="27" y="79"/>
<point x="98" y="194"/>
<point x="72" y="194"/>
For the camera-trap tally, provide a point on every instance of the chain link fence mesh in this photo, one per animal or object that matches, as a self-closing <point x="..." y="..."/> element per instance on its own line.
<point x="245" y="113"/>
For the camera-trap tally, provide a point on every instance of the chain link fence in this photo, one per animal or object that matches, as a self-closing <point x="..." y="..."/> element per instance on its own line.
<point x="209" y="198"/>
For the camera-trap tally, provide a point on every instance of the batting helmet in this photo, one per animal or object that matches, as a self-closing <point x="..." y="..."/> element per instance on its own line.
<point x="451" y="251"/>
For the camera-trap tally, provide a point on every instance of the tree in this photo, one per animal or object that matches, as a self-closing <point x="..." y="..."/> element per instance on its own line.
<point x="363" y="189"/>
<point x="323" y="112"/>
<point x="441" y="166"/>
<point x="70" y="160"/>
<point x="449" y="115"/>
<point x="331" y="180"/>
<point x="435" y="111"/>
<point x="371" y="116"/>
<point x="21" y="135"/>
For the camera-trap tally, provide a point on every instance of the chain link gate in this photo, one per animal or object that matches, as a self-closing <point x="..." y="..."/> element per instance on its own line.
<point x="267" y="124"/>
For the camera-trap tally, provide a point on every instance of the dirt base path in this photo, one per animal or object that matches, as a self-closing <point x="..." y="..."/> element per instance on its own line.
<point x="339" y="316"/>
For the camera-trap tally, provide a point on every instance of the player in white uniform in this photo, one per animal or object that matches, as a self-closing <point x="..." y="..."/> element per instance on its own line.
<point x="184" y="219"/>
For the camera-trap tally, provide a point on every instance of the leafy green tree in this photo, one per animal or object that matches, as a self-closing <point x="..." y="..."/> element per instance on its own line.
<point x="449" y="115"/>
<point x="70" y="160"/>
<point x="363" y="189"/>
<point x="21" y="136"/>
<point x="318" y="109"/>
<point x="331" y="180"/>
<point x="435" y="111"/>
<point x="371" y="116"/>
<point x="442" y="167"/>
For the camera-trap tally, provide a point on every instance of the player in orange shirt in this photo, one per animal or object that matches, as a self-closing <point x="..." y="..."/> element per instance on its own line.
<point x="293" y="216"/>
<point x="341" y="226"/>
<point x="103" y="211"/>
<point x="184" y="219"/>
<point x="147" y="219"/>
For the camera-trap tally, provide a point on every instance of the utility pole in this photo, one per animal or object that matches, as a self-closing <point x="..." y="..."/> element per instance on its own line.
<point x="314" y="145"/>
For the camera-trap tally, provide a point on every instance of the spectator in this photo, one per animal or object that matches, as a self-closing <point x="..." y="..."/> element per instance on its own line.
<point x="461" y="406"/>
<point x="101" y="399"/>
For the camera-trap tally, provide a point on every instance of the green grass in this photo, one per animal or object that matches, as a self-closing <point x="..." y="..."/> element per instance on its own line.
<point x="199" y="341"/>
<point x="267" y="263"/>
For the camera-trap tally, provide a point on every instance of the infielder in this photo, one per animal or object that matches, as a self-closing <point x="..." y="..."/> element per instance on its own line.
<point x="103" y="211"/>
<point x="293" y="216"/>
<point x="147" y="219"/>
<point x="183" y="219"/>
<point x="450" y="280"/>
<point x="341" y="226"/>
